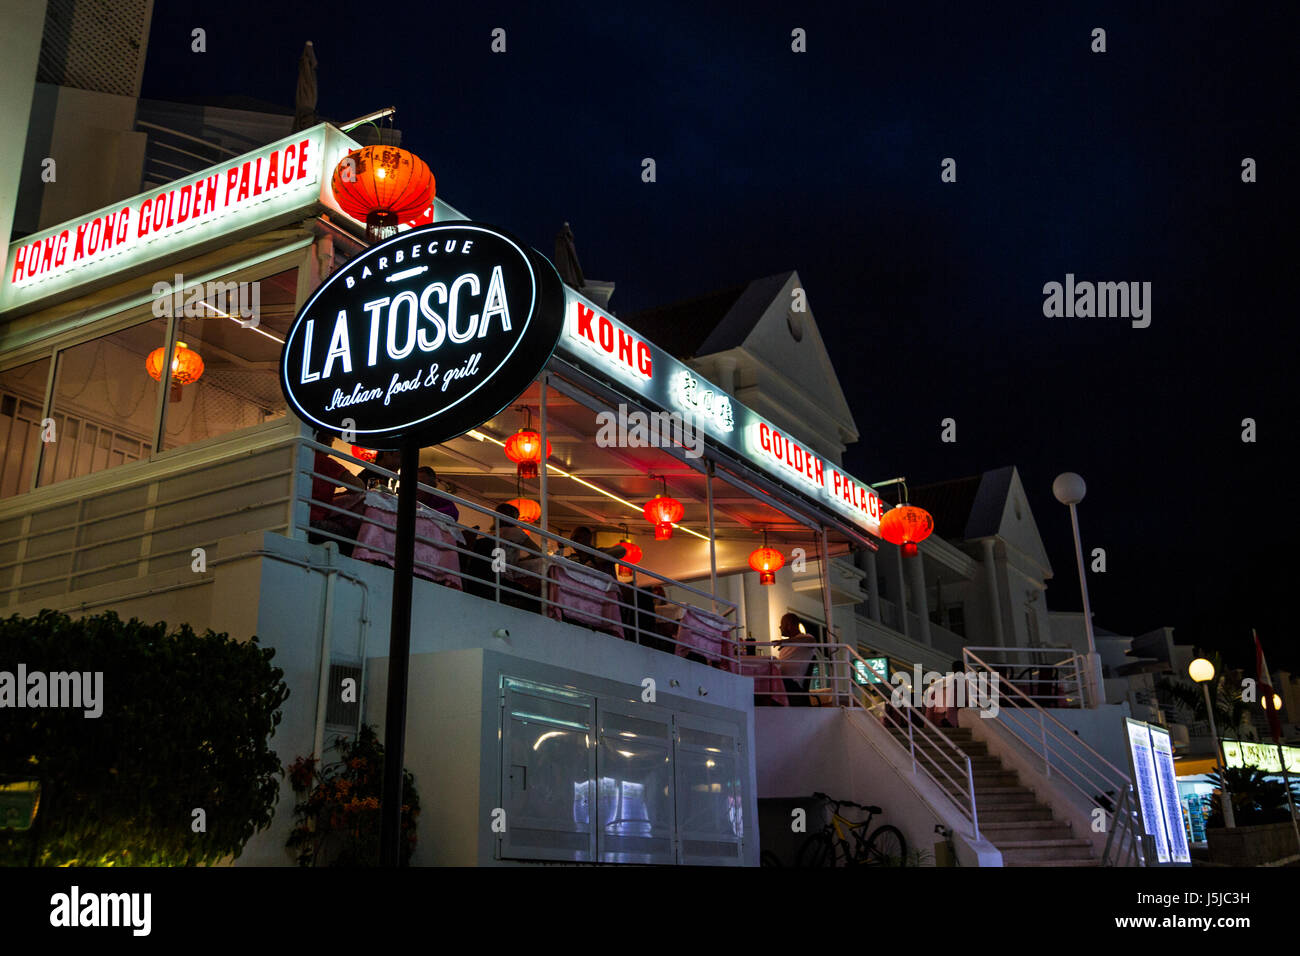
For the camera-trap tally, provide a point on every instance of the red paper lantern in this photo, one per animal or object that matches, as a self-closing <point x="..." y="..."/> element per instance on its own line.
<point x="529" y="510"/>
<point x="524" y="448"/>
<point x="383" y="186"/>
<point x="365" y="454"/>
<point x="632" y="553"/>
<point x="662" y="511"/>
<point x="187" y="367"/>
<point x="906" y="526"/>
<point x="766" y="561"/>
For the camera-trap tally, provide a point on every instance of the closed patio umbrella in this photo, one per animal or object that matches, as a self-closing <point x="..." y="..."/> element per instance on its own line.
<point x="304" y="104"/>
<point x="566" y="258"/>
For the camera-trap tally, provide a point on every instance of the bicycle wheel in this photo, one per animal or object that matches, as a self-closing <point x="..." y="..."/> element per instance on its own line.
<point x="817" y="850"/>
<point x="768" y="858"/>
<point x="886" y="847"/>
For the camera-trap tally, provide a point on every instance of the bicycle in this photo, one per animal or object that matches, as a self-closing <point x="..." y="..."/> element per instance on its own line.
<point x="886" y="846"/>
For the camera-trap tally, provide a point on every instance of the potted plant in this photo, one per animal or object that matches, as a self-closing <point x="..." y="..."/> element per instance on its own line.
<point x="338" y="814"/>
<point x="1264" y="831"/>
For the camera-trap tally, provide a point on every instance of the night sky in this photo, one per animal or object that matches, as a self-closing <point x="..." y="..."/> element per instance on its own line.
<point x="1119" y="166"/>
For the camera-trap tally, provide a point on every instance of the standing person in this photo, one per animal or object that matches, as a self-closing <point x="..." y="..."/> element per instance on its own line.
<point x="796" y="656"/>
<point x="330" y="473"/>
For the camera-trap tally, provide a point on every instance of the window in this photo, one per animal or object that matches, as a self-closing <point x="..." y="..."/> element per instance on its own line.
<point x="587" y="778"/>
<point x="957" y="619"/>
<point x="107" y="393"/>
<point x="105" y="402"/>
<point x="240" y="383"/>
<point x="22" y="403"/>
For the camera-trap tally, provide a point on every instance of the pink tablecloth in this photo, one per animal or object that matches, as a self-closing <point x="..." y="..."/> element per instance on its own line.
<point x="706" y="633"/>
<point x="435" y="556"/>
<point x="584" y="595"/>
<point x="767" y="677"/>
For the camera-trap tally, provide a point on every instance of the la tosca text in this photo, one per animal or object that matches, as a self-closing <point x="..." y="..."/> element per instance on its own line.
<point x="405" y="322"/>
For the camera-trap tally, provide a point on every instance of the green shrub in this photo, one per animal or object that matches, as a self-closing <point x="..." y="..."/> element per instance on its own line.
<point x="186" y="725"/>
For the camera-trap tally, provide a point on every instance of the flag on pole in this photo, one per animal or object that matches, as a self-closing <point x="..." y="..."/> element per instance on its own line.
<point x="1266" y="689"/>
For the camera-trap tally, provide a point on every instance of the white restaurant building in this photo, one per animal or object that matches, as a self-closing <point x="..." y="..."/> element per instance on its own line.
<point x="508" y="708"/>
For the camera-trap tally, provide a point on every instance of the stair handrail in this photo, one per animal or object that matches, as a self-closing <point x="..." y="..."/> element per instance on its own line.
<point x="1072" y="662"/>
<point x="930" y="732"/>
<point x="1122" y="825"/>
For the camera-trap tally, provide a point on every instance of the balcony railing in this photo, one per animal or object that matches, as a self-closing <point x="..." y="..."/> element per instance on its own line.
<point x="512" y="562"/>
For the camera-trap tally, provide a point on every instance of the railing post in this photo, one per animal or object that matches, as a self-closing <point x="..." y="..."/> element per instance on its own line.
<point x="970" y="782"/>
<point x="911" y="745"/>
<point x="1042" y="730"/>
<point x="1114" y="828"/>
<point x="636" y="608"/>
<point x="496" y="535"/>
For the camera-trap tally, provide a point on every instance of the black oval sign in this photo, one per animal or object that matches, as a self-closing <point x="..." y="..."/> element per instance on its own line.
<point x="424" y="336"/>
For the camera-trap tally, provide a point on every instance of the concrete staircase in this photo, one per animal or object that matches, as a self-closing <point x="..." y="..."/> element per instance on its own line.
<point x="1010" y="816"/>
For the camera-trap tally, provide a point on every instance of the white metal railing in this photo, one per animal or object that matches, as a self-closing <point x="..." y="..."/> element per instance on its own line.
<point x="931" y="751"/>
<point x="1069" y="761"/>
<point x="1049" y="676"/>
<point x="140" y="518"/>
<point x="646" y="613"/>
<point x="824" y="679"/>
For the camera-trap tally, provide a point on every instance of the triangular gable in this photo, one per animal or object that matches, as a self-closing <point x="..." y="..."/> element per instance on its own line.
<point x="1015" y="522"/>
<point x="804" y="363"/>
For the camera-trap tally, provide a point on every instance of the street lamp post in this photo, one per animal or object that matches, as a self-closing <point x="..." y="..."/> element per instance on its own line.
<point x="1069" y="490"/>
<point x="1202" y="671"/>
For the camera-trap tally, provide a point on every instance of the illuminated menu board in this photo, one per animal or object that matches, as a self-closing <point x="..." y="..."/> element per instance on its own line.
<point x="1162" y="749"/>
<point x="1151" y="757"/>
<point x="1144" y="780"/>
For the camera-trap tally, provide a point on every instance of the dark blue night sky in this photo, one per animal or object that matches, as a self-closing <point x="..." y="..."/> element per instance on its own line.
<point x="1117" y="166"/>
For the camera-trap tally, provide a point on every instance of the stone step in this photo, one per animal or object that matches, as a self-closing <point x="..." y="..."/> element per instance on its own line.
<point x="996" y="797"/>
<point x="998" y="826"/>
<point x="1012" y="813"/>
<point x="971" y="748"/>
<point x="1015" y="852"/>
<point x="1020" y="831"/>
<point x="986" y="775"/>
<point x="1090" y="861"/>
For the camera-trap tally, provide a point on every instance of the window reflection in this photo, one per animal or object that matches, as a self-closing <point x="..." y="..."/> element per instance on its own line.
<point x="22" y="402"/>
<point x="105" y="403"/>
<point x="240" y="384"/>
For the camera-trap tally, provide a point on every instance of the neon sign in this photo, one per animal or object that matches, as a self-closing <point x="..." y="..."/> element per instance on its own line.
<point x="273" y="182"/>
<point x="701" y="401"/>
<point x="612" y="348"/>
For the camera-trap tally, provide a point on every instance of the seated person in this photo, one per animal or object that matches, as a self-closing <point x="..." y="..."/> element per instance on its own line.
<point x="519" y="547"/>
<point x="662" y="622"/>
<point x="645" y="628"/>
<point x="392" y="460"/>
<point x="433" y="500"/>
<point x="322" y="493"/>
<point x="796" y="656"/>
<point x="582" y="535"/>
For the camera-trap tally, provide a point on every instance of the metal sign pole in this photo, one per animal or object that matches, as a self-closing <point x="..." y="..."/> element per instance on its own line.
<point x="399" y="659"/>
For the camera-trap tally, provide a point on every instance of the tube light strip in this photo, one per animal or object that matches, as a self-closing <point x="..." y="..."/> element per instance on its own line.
<point x="582" y="481"/>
